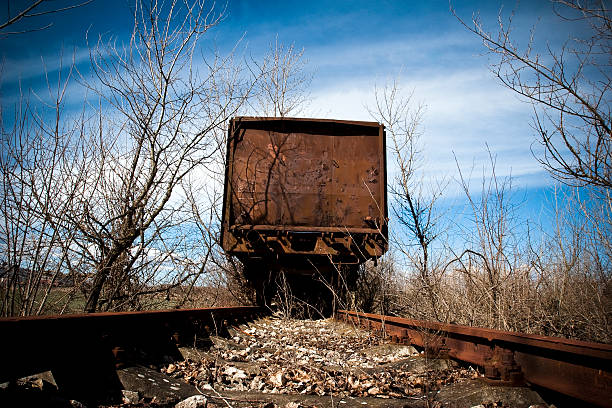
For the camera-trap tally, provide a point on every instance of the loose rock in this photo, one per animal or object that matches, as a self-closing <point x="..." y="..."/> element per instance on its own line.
<point x="196" y="401"/>
<point x="130" y="397"/>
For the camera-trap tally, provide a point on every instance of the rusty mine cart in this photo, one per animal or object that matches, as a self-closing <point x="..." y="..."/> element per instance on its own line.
<point x="305" y="199"/>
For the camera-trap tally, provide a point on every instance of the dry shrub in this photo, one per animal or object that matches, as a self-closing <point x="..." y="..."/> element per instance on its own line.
<point x="558" y="286"/>
<point x="377" y="288"/>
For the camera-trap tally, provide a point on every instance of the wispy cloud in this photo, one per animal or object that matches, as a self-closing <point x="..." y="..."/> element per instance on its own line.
<point x="18" y="69"/>
<point x="467" y="111"/>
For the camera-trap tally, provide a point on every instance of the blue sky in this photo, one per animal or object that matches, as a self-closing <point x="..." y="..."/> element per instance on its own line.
<point x="351" y="46"/>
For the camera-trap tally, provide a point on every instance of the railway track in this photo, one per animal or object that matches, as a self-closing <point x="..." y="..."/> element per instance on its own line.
<point x="578" y="369"/>
<point x="83" y="352"/>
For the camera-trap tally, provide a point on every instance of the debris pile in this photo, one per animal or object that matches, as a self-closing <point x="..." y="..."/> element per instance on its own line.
<point x="321" y="357"/>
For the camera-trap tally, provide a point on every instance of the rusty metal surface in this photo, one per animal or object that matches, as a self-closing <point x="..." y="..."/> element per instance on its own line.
<point x="575" y="368"/>
<point x="302" y="186"/>
<point x="82" y="351"/>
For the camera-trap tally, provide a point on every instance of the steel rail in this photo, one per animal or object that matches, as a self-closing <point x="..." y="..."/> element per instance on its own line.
<point x="83" y="351"/>
<point x="574" y="368"/>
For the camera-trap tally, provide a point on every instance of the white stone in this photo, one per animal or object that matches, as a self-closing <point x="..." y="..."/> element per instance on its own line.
<point x="196" y="401"/>
<point x="130" y="397"/>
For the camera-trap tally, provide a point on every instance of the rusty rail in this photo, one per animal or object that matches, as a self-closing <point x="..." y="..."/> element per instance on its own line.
<point x="83" y="351"/>
<point x="574" y="368"/>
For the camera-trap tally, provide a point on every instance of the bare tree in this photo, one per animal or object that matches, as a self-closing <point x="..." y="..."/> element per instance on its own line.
<point x="165" y="114"/>
<point x="282" y="82"/>
<point x="38" y="150"/>
<point x="569" y="87"/>
<point x="108" y="188"/>
<point x="412" y="206"/>
<point x="493" y="256"/>
<point x="33" y="10"/>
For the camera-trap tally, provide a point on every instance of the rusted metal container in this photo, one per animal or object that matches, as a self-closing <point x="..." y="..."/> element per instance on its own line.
<point x="305" y="188"/>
